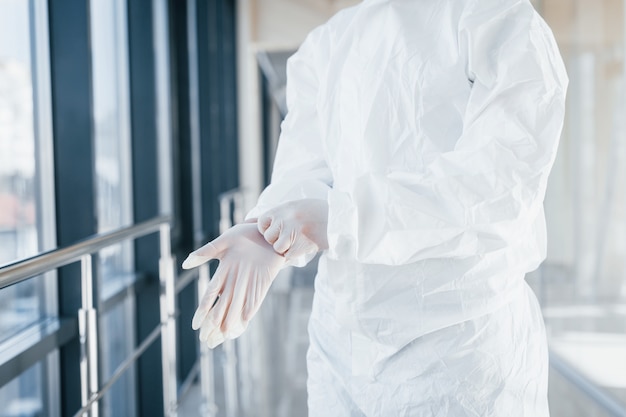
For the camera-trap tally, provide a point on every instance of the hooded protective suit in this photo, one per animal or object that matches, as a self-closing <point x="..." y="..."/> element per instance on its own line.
<point x="430" y="127"/>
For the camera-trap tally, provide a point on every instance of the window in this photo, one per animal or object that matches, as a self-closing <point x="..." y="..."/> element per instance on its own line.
<point x="110" y="83"/>
<point x="117" y="336"/>
<point x="26" y="189"/>
<point x="24" y="395"/>
<point x="112" y="130"/>
<point x="19" y="305"/>
<point x="583" y="281"/>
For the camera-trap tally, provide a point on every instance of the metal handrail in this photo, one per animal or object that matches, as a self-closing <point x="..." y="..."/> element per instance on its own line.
<point x="21" y="270"/>
<point x="83" y="252"/>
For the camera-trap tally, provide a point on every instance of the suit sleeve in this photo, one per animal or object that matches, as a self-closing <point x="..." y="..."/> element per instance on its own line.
<point x="487" y="192"/>
<point x="300" y="169"/>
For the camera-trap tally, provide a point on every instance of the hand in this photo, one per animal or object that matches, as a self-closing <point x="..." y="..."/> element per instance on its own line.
<point x="296" y="228"/>
<point x="248" y="265"/>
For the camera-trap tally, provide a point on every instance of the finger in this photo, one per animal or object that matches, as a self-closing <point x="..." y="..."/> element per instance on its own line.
<point x="217" y="314"/>
<point x="255" y="298"/>
<point x="272" y="233"/>
<point x="234" y="311"/>
<point x="263" y="223"/>
<point x="283" y="243"/>
<point x="213" y="290"/>
<point x="200" y="256"/>
<point x="301" y="249"/>
<point x="216" y="339"/>
<point x="237" y="330"/>
<point x="206" y="330"/>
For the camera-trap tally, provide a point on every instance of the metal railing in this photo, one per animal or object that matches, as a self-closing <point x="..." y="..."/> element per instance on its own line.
<point x="231" y="212"/>
<point x="231" y="204"/>
<point x="83" y="252"/>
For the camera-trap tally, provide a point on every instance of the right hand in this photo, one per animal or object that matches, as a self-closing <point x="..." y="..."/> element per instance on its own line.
<point x="296" y="228"/>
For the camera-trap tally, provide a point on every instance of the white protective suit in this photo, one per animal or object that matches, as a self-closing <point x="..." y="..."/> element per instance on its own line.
<point x="430" y="127"/>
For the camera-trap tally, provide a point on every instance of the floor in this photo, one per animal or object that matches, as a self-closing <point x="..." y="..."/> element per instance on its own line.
<point x="271" y="377"/>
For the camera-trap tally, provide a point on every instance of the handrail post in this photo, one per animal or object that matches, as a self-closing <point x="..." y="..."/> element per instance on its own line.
<point x="238" y="209"/>
<point x="207" y="363"/>
<point x="88" y="336"/>
<point x="229" y="346"/>
<point x="167" y="301"/>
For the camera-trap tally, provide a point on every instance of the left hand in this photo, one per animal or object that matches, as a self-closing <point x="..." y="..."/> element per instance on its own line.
<point x="248" y="265"/>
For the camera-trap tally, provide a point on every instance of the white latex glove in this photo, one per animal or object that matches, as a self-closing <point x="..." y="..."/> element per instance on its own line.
<point x="248" y="265"/>
<point x="296" y="228"/>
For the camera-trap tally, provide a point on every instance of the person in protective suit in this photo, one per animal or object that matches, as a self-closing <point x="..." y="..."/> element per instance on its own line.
<point x="415" y="154"/>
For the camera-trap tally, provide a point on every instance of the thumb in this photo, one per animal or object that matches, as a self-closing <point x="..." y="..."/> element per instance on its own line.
<point x="200" y="256"/>
<point x="264" y="222"/>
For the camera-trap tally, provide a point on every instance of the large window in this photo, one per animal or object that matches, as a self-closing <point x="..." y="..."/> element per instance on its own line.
<point x="26" y="196"/>
<point x="87" y="66"/>
<point x="583" y="282"/>
<point x="109" y="46"/>
<point x="18" y="199"/>
<point x="109" y="49"/>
